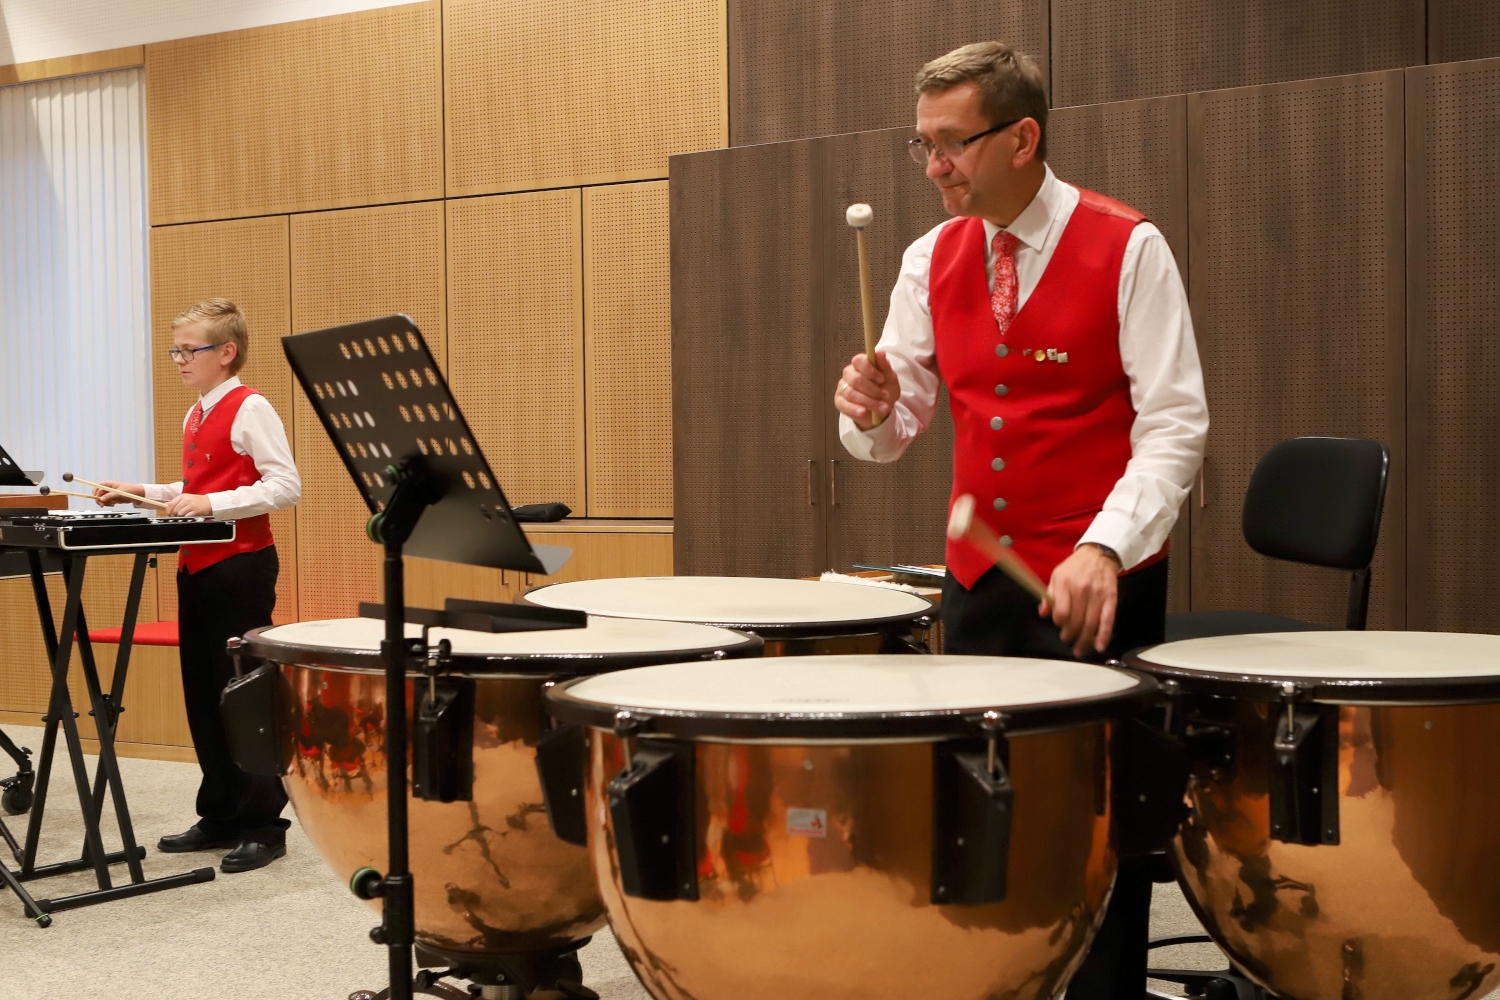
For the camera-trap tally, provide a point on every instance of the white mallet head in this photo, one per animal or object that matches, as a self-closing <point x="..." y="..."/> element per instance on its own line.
<point x="859" y="215"/>
<point x="962" y="517"/>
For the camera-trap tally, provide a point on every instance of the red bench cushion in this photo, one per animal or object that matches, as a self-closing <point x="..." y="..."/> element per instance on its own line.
<point x="146" y="634"/>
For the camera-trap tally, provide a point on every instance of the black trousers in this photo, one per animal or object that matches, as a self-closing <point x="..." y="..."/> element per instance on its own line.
<point x="998" y="618"/>
<point x="214" y="605"/>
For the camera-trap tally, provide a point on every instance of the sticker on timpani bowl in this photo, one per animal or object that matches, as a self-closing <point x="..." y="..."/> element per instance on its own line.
<point x="807" y="822"/>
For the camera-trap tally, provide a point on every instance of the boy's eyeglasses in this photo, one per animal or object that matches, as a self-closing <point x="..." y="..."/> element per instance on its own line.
<point x="182" y="355"/>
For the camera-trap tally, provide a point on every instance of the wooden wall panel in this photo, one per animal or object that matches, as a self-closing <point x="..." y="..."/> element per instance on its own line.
<point x="634" y="82"/>
<point x="325" y="113"/>
<point x="808" y="69"/>
<point x="628" y="349"/>
<point x="878" y="513"/>
<point x="155" y="711"/>
<point x="1105" y="50"/>
<point x="90" y="62"/>
<point x="748" y="393"/>
<point x="1297" y="232"/>
<point x="515" y="339"/>
<point x="1462" y="29"/>
<point x="350" y="266"/>
<point x="246" y="262"/>
<point x="1453" y="140"/>
<point x="1136" y="151"/>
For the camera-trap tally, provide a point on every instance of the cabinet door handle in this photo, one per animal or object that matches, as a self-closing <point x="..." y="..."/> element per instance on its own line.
<point x="1202" y="483"/>
<point x="833" y="482"/>
<point x="810" y="501"/>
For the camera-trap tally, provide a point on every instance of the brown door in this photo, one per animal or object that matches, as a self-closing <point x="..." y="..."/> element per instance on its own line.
<point x="877" y="513"/>
<point x="747" y="384"/>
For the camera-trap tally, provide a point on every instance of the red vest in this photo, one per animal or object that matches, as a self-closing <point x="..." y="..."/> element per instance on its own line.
<point x="1040" y="443"/>
<point x="211" y="465"/>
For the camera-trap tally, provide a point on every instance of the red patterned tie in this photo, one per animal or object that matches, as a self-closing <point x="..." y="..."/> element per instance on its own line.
<point x="195" y="418"/>
<point x="1003" y="298"/>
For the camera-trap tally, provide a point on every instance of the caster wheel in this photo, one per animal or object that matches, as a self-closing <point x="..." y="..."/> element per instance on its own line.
<point x="16" y="800"/>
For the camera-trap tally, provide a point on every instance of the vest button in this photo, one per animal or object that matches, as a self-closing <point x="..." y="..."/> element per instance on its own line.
<point x="1005" y="541"/>
<point x="996" y="423"/>
<point x="997" y="464"/>
<point x="1001" y="350"/>
<point x="1001" y="390"/>
<point x="190" y="463"/>
<point x="192" y="447"/>
<point x="999" y="503"/>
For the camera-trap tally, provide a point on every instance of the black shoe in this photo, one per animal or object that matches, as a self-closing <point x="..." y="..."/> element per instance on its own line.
<point x="193" y="839"/>
<point x="250" y="855"/>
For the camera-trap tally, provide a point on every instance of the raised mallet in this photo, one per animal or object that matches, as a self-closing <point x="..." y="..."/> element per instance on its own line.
<point x="860" y="215"/>
<point x="68" y="477"/>
<point x="964" y="526"/>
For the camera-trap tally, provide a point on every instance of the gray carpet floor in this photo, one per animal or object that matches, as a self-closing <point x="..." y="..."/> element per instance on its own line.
<point x="288" y="932"/>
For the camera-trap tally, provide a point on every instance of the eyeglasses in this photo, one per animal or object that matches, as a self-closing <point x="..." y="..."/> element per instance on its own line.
<point x="182" y="355"/>
<point x="951" y="149"/>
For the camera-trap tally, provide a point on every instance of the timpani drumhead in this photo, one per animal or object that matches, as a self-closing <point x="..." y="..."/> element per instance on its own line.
<point x="851" y="696"/>
<point x="1349" y="667"/>
<point x="606" y="643"/>
<point x="771" y="607"/>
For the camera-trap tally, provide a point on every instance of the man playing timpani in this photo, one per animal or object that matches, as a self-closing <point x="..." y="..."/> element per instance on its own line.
<point x="1059" y="323"/>
<point x="238" y="466"/>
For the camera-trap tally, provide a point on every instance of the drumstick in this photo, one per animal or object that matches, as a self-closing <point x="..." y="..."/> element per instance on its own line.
<point x="68" y="477"/>
<point x="964" y="526"/>
<point x="48" y="491"/>
<point x="860" y="215"/>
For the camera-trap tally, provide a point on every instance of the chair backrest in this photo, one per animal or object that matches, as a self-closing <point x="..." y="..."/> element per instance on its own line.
<point x="1318" y="500"/>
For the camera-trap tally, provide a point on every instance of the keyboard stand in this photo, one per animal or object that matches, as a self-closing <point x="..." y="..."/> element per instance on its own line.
<point x="105" y="709"/>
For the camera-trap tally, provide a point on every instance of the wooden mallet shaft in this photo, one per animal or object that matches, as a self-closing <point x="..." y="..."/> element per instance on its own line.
<point x="68" y="477"/>
<point x="48" y="491"/>
<point x="859" y="216"/>
<point x="964" y="526"/>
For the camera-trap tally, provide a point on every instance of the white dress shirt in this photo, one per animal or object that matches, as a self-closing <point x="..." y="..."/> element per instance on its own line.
<point x="1157" y="349"/>
<point x="257" y="431"/>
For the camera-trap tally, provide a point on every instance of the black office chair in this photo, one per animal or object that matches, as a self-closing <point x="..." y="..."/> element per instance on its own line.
<point x="1314" y="500"/>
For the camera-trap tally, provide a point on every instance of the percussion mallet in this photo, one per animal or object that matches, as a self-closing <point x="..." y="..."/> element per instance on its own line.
<point x="68" y="477"/>
<point x="964" y="526"/>
<point x="860" y="215"/>
<point x="48" y="491"/>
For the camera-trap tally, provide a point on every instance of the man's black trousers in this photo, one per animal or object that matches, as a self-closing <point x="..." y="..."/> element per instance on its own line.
<point x="214" y="605"/>
<point x="998" y="618"/>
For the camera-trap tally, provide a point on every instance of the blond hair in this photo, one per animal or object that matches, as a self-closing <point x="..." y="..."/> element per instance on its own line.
<point x="1011" y="86"/>
<point x="224" y="324"/>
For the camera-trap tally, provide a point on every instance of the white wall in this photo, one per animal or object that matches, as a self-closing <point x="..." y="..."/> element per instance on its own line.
<point x="46" y="29"/>
<point x="75" y="323"/>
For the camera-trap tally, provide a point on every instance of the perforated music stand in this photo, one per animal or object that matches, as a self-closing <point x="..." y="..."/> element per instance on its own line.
<point x="385" y="404"/>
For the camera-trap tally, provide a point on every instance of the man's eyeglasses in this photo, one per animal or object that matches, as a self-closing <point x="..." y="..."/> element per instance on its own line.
<point x="182" y="355"/>
<point x="950" y="149"/>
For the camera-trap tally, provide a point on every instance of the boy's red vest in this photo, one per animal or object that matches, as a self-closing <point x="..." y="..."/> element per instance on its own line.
<point x="1038" y="440"/>
<point x="211" y="465"/>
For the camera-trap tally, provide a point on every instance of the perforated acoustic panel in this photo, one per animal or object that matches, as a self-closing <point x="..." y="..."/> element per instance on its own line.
<point x="350" y="266"/>
<point x="1105" y="50"/>
<point x="800" y="69"/>
<point x="628" y="349"/>
<point x="1453" y="138"/>
<point x="878" y="513"/>
<point x="1462" y="29"/>
<point x="324" y="113"/>
<point x="515" y="339"/>
<point x="244" y="261"/>
<point x="1296" y="208"/>
<point x="747" y="383"/>
<point x="1135" y="151"/>
<point x="636" y="81"/>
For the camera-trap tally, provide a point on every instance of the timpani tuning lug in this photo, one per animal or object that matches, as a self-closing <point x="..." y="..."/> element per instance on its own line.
<point x="1304" y="774"/>
<point x="973" y="801"/>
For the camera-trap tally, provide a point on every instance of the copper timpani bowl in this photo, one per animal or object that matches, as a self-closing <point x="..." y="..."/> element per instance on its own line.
<point x="809" y="805"/>
<point x="490" y="875"/>
<point x="1390" y="888"/>
<point x="794" y="617"/>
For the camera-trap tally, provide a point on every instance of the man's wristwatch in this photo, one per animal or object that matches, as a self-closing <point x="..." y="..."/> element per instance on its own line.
<point x="1109" y="552"/>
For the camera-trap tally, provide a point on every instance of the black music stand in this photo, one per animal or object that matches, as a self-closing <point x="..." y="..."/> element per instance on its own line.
<point x="10" y="472"/>
<point x="386" y="406"/>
